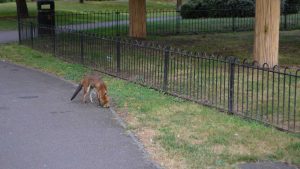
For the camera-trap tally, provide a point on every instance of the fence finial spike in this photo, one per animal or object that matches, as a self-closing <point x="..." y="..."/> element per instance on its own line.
<point x="255" y="63"/>
<point x="298" y="70"/>
<point x="266" y="64"/>
<point x="276" y="67"/>
<point x="285" y="69"/>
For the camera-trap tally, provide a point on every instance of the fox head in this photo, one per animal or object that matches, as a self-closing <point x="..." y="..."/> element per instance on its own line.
<point x="102" y="94"/>
<point x="104" y="99"/>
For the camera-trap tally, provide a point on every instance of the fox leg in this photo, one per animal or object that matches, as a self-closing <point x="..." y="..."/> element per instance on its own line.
<point x="86" y="90"/>
<point x="99" y="98"/>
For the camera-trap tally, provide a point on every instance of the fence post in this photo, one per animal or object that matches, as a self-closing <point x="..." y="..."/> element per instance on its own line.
<point x="177" y="21"/>
<point x="285" y="17"/>
<point x="233" y="19"/>
<point x="231" y="85"/>
<point x="118" y="54"/>
<point x="166" y="68"/>
<point x="54" y="42"/>
<point x="19" y="28"/>
<point x="118" y="26"/>
<point x="31" y="34"/>
<point x="81" y="49"/>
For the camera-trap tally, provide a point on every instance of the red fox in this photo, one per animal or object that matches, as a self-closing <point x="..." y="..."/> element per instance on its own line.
<point x="92" y="81"/>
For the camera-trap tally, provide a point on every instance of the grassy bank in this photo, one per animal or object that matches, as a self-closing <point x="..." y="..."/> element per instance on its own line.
<point x="177" y="133"/>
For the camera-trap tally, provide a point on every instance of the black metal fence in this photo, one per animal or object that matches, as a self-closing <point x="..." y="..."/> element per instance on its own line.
<point x="164" y="22"/>
<point x="267" y="94"/>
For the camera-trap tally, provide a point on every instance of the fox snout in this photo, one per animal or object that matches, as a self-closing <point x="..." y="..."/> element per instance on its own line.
<point x="105" y="101"/>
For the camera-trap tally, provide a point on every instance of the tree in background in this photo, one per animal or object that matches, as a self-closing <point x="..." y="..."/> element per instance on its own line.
<point x="137" y="18"/>
<point x="22" y="10"/>
<point x="266" y="37"/>
<point x="178" y="4"/>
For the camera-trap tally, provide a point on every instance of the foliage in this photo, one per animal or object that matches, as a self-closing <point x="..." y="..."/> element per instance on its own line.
<point x="217" y="8"/>
<point x="229" y="8"/>
<point x="100" y="0"/>
<point x="3" y="1"/>
<point x="290" y="6"/>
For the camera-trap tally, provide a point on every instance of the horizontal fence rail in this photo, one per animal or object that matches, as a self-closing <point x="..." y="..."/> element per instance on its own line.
<point x="266" y="94"/>
<point x="168" y="22"/>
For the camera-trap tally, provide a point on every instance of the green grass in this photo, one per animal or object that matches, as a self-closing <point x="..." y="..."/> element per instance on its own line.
<point x="177" y="133"/>
<point x="8" y="24"/>
<point x="238" y="44"/>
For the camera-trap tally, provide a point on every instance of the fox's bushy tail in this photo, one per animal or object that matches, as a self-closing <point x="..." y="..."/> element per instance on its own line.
<point x="76" y="91"/>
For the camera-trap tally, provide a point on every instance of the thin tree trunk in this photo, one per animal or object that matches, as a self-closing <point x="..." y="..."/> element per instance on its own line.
<point x="178" y="4"/>
<point x="137" y="18"/>
<point x="267" y="22"/>
<point x="22" y="10"/>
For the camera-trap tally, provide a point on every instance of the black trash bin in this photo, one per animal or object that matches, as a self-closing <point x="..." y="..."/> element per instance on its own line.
<point x="46" y="17"/>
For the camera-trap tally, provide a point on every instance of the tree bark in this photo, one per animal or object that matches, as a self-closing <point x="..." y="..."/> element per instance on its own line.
<point x="178" y="4"/>
<point x="81" y="1"/>
<point x="267" y="22"/>
<point x="22" y="10"/>
<point x="137" y="18"/>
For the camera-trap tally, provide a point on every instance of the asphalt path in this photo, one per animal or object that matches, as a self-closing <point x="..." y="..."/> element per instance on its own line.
<point x="12" y="36"/>
<point x="108" y="24"/>
<point x="9" y="36"/>
<point x="41" y="128"/>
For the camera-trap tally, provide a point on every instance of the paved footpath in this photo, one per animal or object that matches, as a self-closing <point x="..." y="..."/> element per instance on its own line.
<point x="9" y="36"/>
<point x="41" y="128"/>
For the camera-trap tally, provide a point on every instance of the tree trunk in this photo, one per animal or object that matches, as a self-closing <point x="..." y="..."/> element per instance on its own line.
<point x="22" y="10"/>
<point x="267" y="22"/>
<point x="178" y="4"/>
<point x="81" y="1"/>
<point x="137" y="18"/>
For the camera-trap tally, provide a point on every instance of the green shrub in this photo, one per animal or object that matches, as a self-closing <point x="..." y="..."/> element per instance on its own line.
<point x="191" y="10"/>
<point x="290" y="6"/>
<point x="217" y="8"/>
<point x="3" y="1"/>
<point x="100" y="0"/>
<point x="229" y="8"/>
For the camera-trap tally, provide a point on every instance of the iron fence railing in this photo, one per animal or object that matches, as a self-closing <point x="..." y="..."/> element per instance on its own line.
<point x="163" y="22"/>
<point x="267" y="94"/>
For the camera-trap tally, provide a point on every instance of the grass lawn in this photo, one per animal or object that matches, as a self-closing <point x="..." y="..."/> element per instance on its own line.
<point x="8" y="24"/>
<point x="177" y="133"/>
<point x="239" y="44"/>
